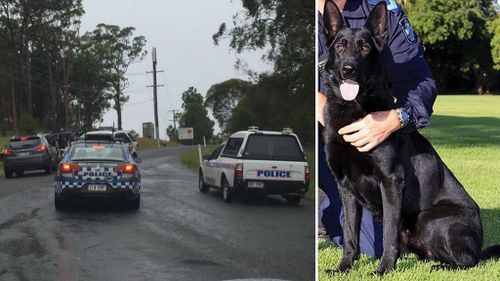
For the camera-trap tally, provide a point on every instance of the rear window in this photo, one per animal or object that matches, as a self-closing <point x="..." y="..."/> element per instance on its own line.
<point x="232" y="147"/>
<point x="21" y="143"/>
<point x="273" y="147"/>
<point x="98" y="152"/>
<point x="122" y="137"/>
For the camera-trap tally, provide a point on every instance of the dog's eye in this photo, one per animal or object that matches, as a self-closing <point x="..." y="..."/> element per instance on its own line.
<point x="340" y="46"/>
<point x="365" y="49"/>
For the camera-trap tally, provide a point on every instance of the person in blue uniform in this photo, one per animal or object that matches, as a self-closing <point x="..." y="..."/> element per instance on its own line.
<point x="411" y="83"/>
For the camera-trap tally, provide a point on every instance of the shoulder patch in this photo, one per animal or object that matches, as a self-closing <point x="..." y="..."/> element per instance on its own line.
<point x="391" y="5"/>
<point x="408" y="30"/>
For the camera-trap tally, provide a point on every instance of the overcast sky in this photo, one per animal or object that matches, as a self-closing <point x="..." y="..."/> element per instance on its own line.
<point x="182" y="33"/>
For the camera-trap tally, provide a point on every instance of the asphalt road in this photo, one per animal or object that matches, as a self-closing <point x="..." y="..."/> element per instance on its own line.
<point x="178" y="234"/>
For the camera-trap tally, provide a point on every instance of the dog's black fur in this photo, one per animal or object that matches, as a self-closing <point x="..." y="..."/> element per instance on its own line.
<point x="403" y="181"/>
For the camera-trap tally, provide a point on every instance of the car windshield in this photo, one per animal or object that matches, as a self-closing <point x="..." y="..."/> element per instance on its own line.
<point x="22" y="143"/>
<point x="108" y="151"/>
<point x="273" y="147"/>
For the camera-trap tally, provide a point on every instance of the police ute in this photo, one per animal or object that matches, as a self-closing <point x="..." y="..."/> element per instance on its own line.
<point x="254" y="161"/>
<point x="97" y="168"/>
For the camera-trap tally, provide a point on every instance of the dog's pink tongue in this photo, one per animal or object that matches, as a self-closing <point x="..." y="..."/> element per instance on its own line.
<point x="349" y="90"/>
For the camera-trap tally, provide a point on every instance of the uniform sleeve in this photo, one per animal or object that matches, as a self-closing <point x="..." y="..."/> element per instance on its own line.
<point x="409" y="74"/>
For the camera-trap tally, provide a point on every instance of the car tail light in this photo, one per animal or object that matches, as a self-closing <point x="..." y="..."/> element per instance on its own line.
<point x="69" y="168"/>
<point x="41" y="148"/>
<point x="6" y="152"/>
<point x="127" y="168"/>
<point x="307" y="175"/>
<point x="238" y="170"/>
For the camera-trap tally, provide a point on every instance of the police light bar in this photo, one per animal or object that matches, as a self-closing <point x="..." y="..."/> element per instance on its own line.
<point x="287" y="130"/>
<point x="253" y="128"/>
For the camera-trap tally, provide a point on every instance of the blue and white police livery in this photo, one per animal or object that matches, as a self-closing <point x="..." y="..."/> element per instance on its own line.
<point x="257" y="161"/>
<point x="96" y="168"/>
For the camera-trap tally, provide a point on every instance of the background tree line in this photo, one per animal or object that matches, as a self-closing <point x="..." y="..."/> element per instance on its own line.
<point x="461" y="40"/>
<point x="51" y="75"/>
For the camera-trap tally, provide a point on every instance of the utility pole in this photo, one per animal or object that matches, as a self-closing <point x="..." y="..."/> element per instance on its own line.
<point x="175" y="118"/>
<point x="155" y="93"/>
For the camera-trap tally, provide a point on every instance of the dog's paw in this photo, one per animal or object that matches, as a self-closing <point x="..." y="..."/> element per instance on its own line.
<point x="381" y="270"/>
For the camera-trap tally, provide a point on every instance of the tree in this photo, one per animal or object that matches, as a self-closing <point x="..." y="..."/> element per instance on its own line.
<point x="456" y="41"/>
<point x="195" y="115"/>
<point x="117" y="49"/>
<point x="222" y="99"/>
<point x="172" y="133"/>
<point x="494" y="29"/>
<point x="287" y="30"/>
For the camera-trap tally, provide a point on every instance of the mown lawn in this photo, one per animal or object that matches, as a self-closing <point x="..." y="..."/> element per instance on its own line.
<point x="465" y="131"/>
<point x="190" y="159"/>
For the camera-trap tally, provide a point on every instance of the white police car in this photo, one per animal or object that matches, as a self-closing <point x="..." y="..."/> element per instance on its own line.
<point x="95" y="168"/>
<point x="265" y="162"/>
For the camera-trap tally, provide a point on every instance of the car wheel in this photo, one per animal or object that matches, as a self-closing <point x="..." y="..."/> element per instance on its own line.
<point x="59" y="203"/>
<point x="19" y="173"/>
<point x="227" y="193"/>
<point x="201" y="184"/>
<point x="8" y="173"/>
<point x="135" y="203"/>
<point x="293" y="199"/>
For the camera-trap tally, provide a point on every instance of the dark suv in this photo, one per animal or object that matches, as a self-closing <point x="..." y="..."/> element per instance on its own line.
<point x="28" y="153"/>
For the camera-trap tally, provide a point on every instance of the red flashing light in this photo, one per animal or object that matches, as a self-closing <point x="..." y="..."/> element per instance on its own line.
<point x="69" y="168"/>
<point x="127" y="168"/>
<point x="98" y="147"/>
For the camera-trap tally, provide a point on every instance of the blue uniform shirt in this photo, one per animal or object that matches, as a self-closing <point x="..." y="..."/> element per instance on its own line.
<point x="410" y="77"/>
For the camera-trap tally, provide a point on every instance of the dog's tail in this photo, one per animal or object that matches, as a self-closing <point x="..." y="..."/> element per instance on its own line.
<point x="491" y="252"/>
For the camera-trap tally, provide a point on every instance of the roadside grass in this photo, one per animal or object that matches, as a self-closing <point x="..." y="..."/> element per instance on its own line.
<point x="191" y="160"/>
<point x="465" y="131"/>
<point x="3" y="142"/>
<point x="145" y="143"/>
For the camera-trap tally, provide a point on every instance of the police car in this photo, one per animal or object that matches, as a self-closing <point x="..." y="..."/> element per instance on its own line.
<point x="265" y="162"/>
<point x="95" y="168"/>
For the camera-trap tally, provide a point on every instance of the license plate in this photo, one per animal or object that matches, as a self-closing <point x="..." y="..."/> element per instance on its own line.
<point x="23" y="154"/>
<point x="255" y="184"/>
<point x="96" y="187"/>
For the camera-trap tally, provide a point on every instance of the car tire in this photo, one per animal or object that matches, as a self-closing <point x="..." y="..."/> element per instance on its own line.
<point x="201" y="184"/>
<point x="59" y="203"/>
<point x="227" y="193"/>
<point x="293" y="199"/>
<point x="135" y="203"/>
<point x="8" y="173"/>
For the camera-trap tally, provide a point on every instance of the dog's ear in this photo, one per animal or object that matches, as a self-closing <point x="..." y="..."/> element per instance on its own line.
<point x="377" y="25"/>
<point x="332" y="20"/>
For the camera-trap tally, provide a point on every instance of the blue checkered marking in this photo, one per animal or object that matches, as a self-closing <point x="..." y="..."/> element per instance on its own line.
<point x="90" y="175"/>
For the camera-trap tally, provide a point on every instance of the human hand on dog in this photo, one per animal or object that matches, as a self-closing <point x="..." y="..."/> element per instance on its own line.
<point x="373" y="129"/>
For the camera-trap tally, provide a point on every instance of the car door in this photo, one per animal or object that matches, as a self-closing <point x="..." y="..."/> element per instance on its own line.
<point x="210" y="170"/>
<point x="51" y="150"/>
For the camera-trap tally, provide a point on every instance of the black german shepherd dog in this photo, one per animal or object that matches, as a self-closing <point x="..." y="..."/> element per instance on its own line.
<point x="423" y="207"/>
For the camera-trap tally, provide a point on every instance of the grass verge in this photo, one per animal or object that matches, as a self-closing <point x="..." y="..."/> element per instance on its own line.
<point x="190" y="159"/>
<point x="145" y="143"/>
<point x="3" y="142"/>
<point x="465" y="131"/>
